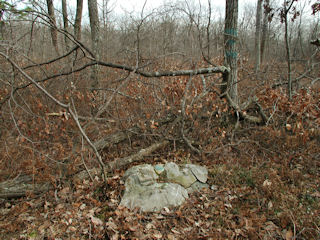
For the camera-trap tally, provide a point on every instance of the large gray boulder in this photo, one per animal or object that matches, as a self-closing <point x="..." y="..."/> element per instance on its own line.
<point x="154" y="197"/>
<point x="152" y="188"/>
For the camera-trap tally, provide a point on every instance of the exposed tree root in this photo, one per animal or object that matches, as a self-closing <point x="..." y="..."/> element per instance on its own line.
<point x="242" y="110"/>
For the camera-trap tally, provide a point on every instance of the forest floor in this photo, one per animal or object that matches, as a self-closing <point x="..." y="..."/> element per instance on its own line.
<point x="265" y="178"/>
<point x="268" y="189"/>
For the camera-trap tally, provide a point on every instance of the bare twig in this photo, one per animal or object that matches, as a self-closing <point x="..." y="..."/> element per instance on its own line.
<point x="183" y="114"/>
<point x="83" y="162"/>
<point x="53" y="60"/>
<point x="63" y="105"/>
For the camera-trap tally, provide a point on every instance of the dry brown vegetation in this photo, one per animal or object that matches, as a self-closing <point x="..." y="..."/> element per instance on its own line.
<point x="265" y="176"/>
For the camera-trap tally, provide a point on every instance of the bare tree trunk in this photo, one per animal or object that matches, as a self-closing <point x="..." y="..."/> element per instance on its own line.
<point x="95" y="31"/>
<point x="77" y="21"/>
<point x="230" y="56"/>
<point x="208" y="29"/>
<point x="300" y="35"/>
<point x="286" y="11"/>
<point x="258" y="36"/>
<point x="264" y="33"/>
<point x="54" y="32"/>
<point x="106" y="10"/>
<point x="65" y="23"/>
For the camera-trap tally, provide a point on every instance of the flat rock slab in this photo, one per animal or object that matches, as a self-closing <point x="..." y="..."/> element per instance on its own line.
<point x="151" y="188"/>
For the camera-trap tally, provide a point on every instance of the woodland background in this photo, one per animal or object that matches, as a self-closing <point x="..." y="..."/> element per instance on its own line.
<point x="83" y="98"/>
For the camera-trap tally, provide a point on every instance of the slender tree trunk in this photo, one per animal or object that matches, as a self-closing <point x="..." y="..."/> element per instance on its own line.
<point x="300" y="35"/>
<point x="258" y="36"/>
<point x="54" y="32"/>
<point x="208" y="29"/>
<point x="95" y="31"/>
<point x="65" y="23"/>
<point x="286" y="10"/>
<point x="264" y="33"/>
<point x="230" y="55"/>
<point x="78" y="19"/>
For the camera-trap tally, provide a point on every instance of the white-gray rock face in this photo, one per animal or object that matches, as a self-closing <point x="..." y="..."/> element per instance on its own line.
<point x="154" y="197"/>
<point x="151" y="188"/>
<point x="201" y="173"/>
<point x="143" y="175"/>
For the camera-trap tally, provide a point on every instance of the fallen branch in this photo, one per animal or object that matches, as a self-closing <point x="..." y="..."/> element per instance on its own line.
<point x="116" y="138"/>
<point x="21" y="186"/>
<point x="218" y="69"/>
<point x="123" y="161"/>
<point x="121" y="136"/>
<point x="135" y="157"/>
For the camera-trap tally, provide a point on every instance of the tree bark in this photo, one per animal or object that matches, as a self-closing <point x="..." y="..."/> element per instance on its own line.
<point x="95" y="31"/>
<point x="286" y="11"/>
<point x="258" y="36"/>
<point x="65" y="23"/>
<point x="52" y="19"/>
<point x="78" y="19"/>
<point x="264" y="33"/>
<point x="230" y="56"/>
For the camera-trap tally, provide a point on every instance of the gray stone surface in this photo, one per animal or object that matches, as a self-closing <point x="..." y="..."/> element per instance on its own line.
<point x="152" y="188"/>
<point x="155" y="197"/>
<point x="140" y="175"/>
<point x="200" y="172"/>
<point x="183" y="176"/>
<point x="197" y="186"/>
